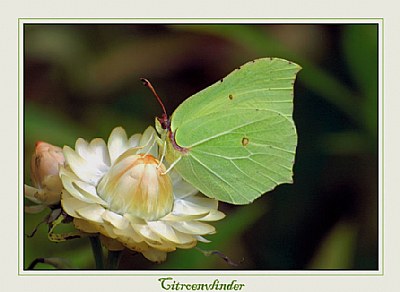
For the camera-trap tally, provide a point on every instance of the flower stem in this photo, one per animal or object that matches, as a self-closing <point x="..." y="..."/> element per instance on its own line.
<point x="113" y="259"/>
<point x="97" y="252"/>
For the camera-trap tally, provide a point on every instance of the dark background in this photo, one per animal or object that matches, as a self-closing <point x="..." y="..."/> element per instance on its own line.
<point x="82" y="80"/>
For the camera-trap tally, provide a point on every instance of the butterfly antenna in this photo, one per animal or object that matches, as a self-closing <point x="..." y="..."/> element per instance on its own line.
<point x="148" y="85"/>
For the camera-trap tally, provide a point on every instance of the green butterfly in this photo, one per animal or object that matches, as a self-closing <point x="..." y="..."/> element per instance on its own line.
<point x="236" y="139"/>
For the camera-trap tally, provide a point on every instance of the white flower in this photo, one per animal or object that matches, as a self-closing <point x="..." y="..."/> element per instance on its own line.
<point x="47" y="186"/>
<point x="119" y="190"/>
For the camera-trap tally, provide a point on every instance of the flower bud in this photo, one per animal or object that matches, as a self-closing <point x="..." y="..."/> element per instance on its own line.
<point x="45" y="165"/>
<point x="135" y="185"/>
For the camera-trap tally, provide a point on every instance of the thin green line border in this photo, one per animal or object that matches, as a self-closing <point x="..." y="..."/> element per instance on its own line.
<point x="311" y="273"/>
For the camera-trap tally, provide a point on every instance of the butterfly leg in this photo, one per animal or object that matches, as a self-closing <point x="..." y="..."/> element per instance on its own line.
<point x="164" y="150"/>
<point x="172" y="165"/>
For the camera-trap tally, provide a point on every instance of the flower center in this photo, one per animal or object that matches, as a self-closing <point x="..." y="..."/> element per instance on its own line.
<point x="135" y="185"/>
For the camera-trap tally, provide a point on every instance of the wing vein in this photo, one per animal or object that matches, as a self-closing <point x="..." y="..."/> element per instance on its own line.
<point x="231" y="130"/>
<point x="216" y="174"/>
<point x="251" y="178"/>
<point x="263" y="174"/>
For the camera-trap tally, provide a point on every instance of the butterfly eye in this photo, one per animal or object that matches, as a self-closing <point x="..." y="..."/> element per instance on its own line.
<point x="164" y="121"/>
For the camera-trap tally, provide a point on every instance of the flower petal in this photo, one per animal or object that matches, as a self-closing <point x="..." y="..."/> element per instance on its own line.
<point x="85" y="170"/>
<point x="76" y="189"/>
<point x="214" y="215"/>
<point x="147" y="141"/>
<point x="129" y="234"/>
<point x="95" y="153"/>
<point x="86" y="226"/>
<point x="100" y="152"/>
<point x="155" y="255"/>
<point x="93" y="212"/>
<point x="173" y="217"/>
<point x="163" y="245"/>
<point x="115" y="219"/>
<point x="183" y="189"/>
<point x="193" y="227"/>
<point x="193" y="206"/>
<point x="70" y="204"/>
<point x="107" y="229"/>
<point x="133" y="245"/>
<point x="203" y="202"/>
<point x="146" y="232"/>
<point x="111" y="244"/>
<point x="117" y="143"/>
<point x="202" y="239"/>
<point x="167" y="232"/>
<point x="134" y="140"/>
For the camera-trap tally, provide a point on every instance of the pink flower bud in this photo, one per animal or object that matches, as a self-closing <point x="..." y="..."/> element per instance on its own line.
<point x="45" y="166"/>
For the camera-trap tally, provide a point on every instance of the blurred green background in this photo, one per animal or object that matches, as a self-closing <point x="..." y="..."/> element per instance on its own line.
<point x="82" y="80"/>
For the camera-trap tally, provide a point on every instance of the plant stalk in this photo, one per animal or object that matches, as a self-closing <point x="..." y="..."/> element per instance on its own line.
<point x="97" y="252"/>
<point x="113" y="259"/>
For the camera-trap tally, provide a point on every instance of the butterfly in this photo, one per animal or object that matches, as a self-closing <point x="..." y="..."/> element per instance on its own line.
<point x="236" y="139"/>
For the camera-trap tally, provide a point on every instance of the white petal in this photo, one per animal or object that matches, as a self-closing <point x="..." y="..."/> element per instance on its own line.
<point x="151" y="238"/>
<point x="88" y="191"/>
<point x="107" y="229"/>
<point x="92" y="212"/>
<point x="82" y="147"/>
<point x="100" y="152"/>
<point x="146" y="232"/>
<point x="134" y="140"/>
<point x="183" y="189"/>
<point x="184" y="207"/>
<point x="203" y="202"/>
<point x="117" y="143"/>
<point x="86" y="225"/>
<point x="95" y="152"/>
<point x="193" y="227"/>
<point x="115" y="219"/>
<point x="173" y="217"/>
<point x="66" y="170"/>
<point x="147" y="141"/>
<point x="163" y="245"/>
<point x="71" y="204"/>
<point x="75" y="188"/>
<point x="176" y="178"/>
<point x="129" y="233"/>
<point x="202" y="239"/>
<point x="167" y="232"/>
<point x="85" y="170"/>
<point x="214" y="215"/>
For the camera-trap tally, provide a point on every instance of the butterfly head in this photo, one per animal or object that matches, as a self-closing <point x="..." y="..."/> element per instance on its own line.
<point x="164" y="121"/>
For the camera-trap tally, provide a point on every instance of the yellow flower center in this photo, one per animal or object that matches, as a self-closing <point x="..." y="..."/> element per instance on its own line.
<point x="135" y="185"/>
